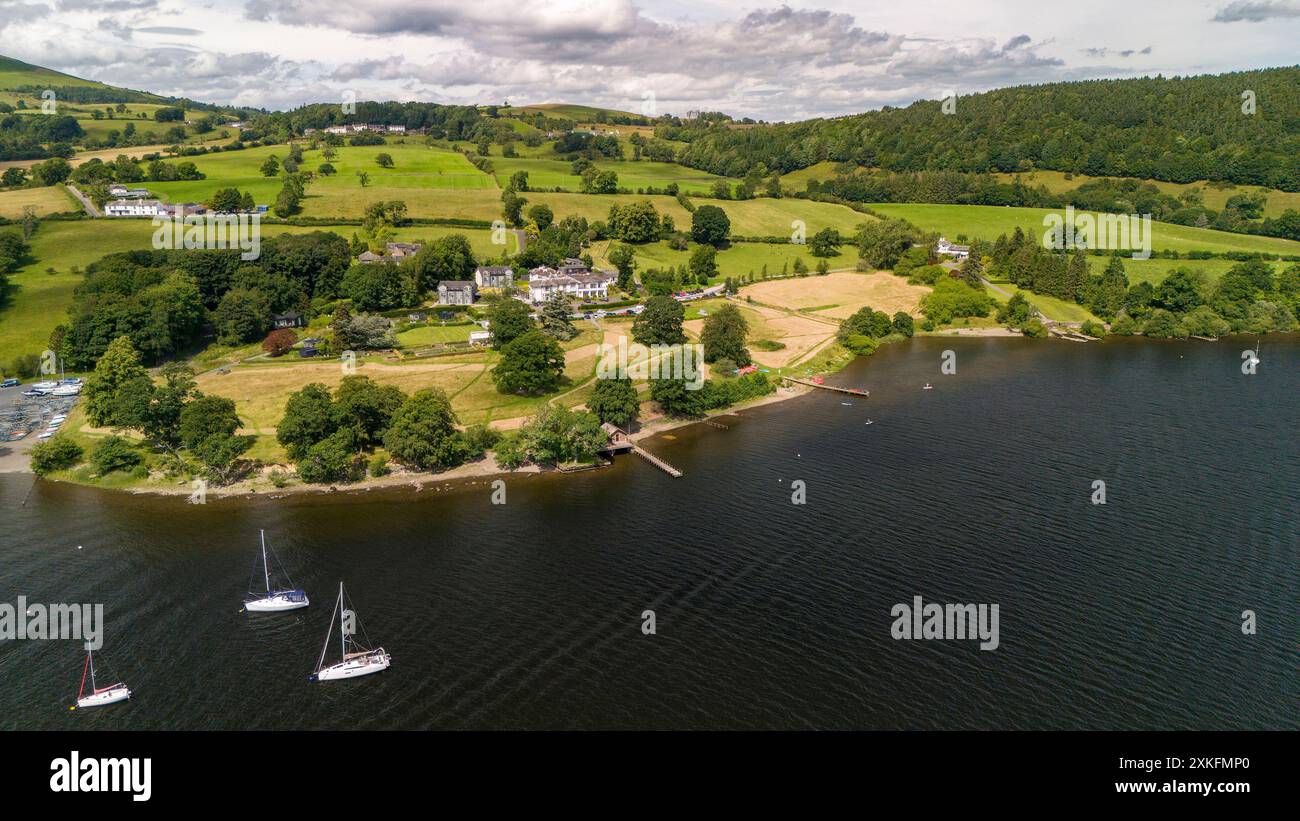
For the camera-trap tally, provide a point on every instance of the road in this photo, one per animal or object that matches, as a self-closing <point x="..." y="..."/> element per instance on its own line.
<point x="85" y="201"/>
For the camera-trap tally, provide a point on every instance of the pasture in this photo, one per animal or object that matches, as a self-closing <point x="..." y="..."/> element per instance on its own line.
<point x="53" y="199"/>
<point x="988" y="221"/>
<point x="839" y="295"/>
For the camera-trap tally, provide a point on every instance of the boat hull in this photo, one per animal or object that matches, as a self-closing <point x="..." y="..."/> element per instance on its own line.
<point x="109" y="695"/>
<point x="277" y="602"/>
<point x="372" y="663"/>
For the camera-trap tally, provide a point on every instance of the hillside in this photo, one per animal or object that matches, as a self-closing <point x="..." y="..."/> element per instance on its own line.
<point x="1180" y="129"/>
<point x="17" y="74"/>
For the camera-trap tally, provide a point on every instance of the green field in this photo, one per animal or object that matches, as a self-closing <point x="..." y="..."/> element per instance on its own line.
<point x="1215" y="197"/>
<point x="1053" y="308"/>
<point x="737" y="259"/>
<point x="427" y="335"/>
<point x="988" y="221"/>
<point x="50" y="200"/>
<point x="419" y="176"/>
<point x="554" y="172"/>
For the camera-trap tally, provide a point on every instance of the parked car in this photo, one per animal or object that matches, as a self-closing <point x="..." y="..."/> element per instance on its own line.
<point x="10" y="383"/>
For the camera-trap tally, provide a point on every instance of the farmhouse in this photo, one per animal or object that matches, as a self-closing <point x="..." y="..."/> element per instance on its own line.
<point x="456" y="292"/>
<point x="121" y="192"/>
<point x="290" y="319"/>
<point x="336" y="129"/>
<point x="393" y="252"/>
<point x="136" y="208"/>
<point x="494" y="276"/>
<point x="955" y="251"/>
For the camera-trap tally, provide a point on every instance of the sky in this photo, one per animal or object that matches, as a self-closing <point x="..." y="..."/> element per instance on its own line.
<point x="767" y="61"/>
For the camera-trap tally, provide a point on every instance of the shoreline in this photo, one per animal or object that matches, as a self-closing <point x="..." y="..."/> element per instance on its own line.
<point x="486" y="467"/>
<point x="483" y="468"/>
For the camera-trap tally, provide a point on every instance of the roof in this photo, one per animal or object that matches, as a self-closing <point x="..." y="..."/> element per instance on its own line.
<point x="495" y="270"/>
<point x="456" y="285"/>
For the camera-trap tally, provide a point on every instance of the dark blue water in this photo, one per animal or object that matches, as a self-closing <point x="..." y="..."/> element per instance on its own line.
<point x="769" y="615"/>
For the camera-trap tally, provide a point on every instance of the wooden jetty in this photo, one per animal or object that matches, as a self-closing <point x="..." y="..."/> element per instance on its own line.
<point x="620" y="442"/>
<point x="656" y="461"/>
<point x="836" y="388"/>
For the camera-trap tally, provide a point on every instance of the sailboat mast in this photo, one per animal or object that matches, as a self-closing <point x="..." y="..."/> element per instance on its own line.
<point x="90" y="660"/>
<point x="326" y="646"/>
<point x="265" y="570"/>
<point x="343" y="637"/>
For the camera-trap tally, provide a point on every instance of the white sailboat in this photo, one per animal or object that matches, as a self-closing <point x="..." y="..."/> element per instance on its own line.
<point x="290" y="598"/>
<point x="357" y="657"/>
<point x="98" y="696"/>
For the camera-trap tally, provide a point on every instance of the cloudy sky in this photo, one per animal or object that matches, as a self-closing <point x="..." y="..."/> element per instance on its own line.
<point x="777" y="62"/>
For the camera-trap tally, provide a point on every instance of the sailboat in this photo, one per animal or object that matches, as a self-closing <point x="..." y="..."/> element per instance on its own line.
<point x="358" y="658"/>
<point x="98" y="696"/>
<point x="290" y="598"/>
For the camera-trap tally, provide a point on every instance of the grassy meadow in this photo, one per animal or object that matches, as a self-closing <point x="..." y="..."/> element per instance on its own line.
<point x="53" y="199"/>
<point x="988" y="221"/>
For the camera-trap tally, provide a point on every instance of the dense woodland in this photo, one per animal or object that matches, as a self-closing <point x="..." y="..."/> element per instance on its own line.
<point x="1179" y="129"/>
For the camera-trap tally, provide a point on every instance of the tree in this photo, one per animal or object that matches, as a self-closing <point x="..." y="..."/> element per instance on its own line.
<point x="635" y="222"/>
<point x="332" y="459"/>
<point x="559" y="435"/>
<point x="384" y="160"/>
<point x="704" y="263"/>
<point x="450" y="257"/>
<point x="903" y="324"/>
<point x="881" y="243"/>
<point x="971" y="272"/>
<point x="309" y="417"/>
<point x="207" y="416"/>
<point x="675" y="398"/>
<point x="367" y="407"/>
<point x="623" y="257"/>
<point x="241" y="316"/>
<point x="423" y="432"/>
<point x="162" y="414"/>
<point x="363" y="177"/>
<point x="825" y="243"/>
<point x="114" y="453"/>
<point x="508" y="319"/>
<point x="724" y="336"/>
<point x="271" y="167"/>
<point x="280" y="342"/>
<point x="219" y="455"/>
<point x="119" y="366"/>
<point x="530" y="364"/>
<point x="512" y="206"/>
<point x="542" y="215"/>
<point x="710" y="225"/>
<point x="614" y="401"/>
<point x="555" y="317"/>
<point x="59" y="453"/>
<point x="226" y="200"/>
<point x="326" y="169"/>
<point x="660" y="323"/>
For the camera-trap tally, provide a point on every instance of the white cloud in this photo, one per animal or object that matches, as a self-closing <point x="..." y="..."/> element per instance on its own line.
<point x="825" y="57"/>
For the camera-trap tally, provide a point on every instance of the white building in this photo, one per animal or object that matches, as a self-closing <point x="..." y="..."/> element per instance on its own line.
<point x="397" y="129"/>
<point x="136" y="208"/>
<point x="955" y="251"/>
<point x="583" y="287"/>
<point x="336" y="129"/>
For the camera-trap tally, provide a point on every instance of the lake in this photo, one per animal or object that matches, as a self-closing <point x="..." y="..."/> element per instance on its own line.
<point x="768" y="614"/>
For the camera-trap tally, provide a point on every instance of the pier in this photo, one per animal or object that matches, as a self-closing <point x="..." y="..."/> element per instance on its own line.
<point x="656" y="461"/>
<point x="836" y="388"/>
